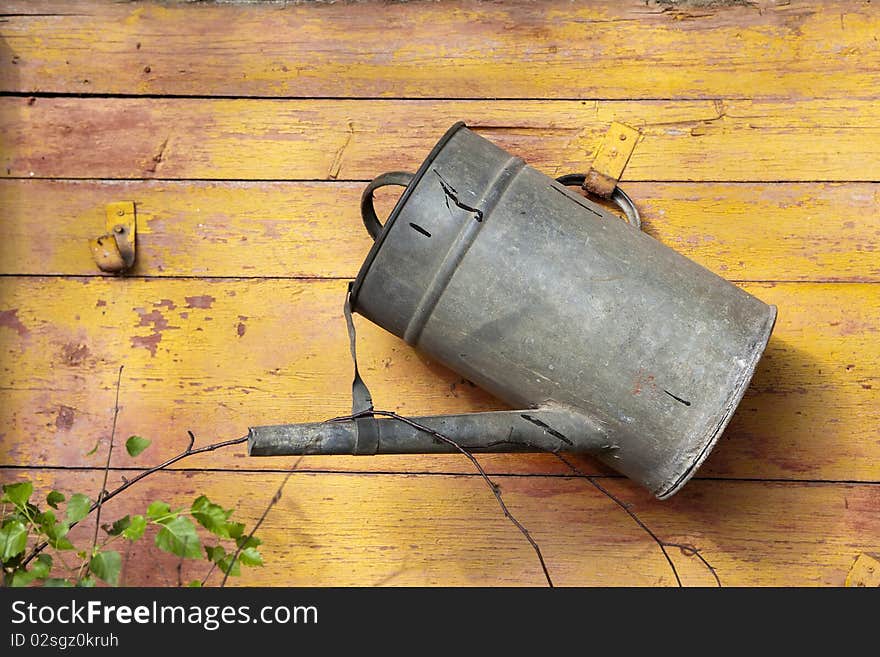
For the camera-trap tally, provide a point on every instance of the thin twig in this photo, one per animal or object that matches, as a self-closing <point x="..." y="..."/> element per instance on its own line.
<point x="180" y="564"/>
<point x="625" y="507"/>
<point x="691" y="551"/>
<point x="127" y="483"/>
<point x="103" y="489"/>
<point x="275" y="498"/>
<point x="124" y="570"/>
<point x="688" y="550"/>
<point x="496" y="491"/>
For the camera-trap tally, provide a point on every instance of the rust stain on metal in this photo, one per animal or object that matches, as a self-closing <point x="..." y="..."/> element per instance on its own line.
<point x="611" y="159"/>
<point x="643" y="379"/>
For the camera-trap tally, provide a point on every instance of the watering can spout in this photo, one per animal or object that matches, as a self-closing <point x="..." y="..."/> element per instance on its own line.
<point x="548" y="428"/>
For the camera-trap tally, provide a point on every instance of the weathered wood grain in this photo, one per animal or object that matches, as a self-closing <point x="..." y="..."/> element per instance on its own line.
<point x="759" y="160"/>
<point x="467" y="49"/>
<point x="215" y="356"/>
<point x="752" y="232"/>
<point x="734" y="140"/>
<point x="338" y="529"/>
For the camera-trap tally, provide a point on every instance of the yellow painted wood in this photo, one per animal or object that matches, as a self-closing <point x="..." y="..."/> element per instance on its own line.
<point x="215" y="356"/>
<point x="783" y="95"/>
<point x="337" y="529"/>
<point x="552" y="49"/>
<point x="702" y="140"/>
<point x="794" y="232"/>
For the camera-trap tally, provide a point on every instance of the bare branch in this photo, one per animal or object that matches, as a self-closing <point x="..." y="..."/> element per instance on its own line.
<point x="688" y="550"/>
<point x="627" y="509"/>
<point x="127" y="483"/>
<point x="180" y="563"/>
<point x="691" y="551"/>
<point x="496" y="491"/>
<point x="103" y="490"/>
<point x="275" y="498"/>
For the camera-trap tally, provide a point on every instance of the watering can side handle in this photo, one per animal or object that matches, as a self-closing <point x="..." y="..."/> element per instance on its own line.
<point x="368" y="212"/>
<point x="618" y="196"/>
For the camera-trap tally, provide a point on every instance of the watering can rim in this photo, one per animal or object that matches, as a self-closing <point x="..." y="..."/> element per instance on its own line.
<point x="377" y="244"/>
<point x="726" y="413"/>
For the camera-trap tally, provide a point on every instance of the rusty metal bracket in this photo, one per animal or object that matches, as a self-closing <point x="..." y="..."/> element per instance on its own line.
<point x="865" y="571"/>
<point x="114" y="252"/>
<point x="611" y="159"/>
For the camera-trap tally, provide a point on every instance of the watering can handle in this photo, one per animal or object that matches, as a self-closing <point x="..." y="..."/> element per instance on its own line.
<point x="368" y="212"/>
<point x="619" y="197"/>
<point x="403" y="179"/>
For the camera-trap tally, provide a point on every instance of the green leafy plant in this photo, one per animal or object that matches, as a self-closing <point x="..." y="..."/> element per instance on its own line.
<point x="29" y="532"/>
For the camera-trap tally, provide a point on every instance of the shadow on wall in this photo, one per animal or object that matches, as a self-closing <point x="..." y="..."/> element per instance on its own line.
<point x="771" y="435"/>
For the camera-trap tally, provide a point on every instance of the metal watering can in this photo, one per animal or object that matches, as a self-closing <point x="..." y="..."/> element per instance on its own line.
<point x="608" y="342"/>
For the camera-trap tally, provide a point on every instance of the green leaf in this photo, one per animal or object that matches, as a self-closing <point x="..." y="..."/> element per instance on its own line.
<point x="245" y="542"/>
<point x="211" y="516"/>
<point x="136" y="529"/>
<point x="62" y="543"/>
<point x="54" y="498"/>
<point x="18" y="494"/>
<point x="250" y="557"/>
<point x="215" y="552"/>
<point x="78" y="507"/>
<point x="86" y="583"/>
<point x="39" y="570"/>
<point x="42" y="566"/>
<point x="13" y="539"/>
<point x="94" y="449"/>
<point x="179" y="537"/>
<point x="55" y="531"/>
<point x="160" y="512"/>
<point x="118" y="527"/>
<point x="21" y="578"/>
<point x="194" y="584"/>
<point x="223" y="565"/>
<point x="135" y="445"/>
<point x="235" y="529"/>
<point x="106" y="566"/>
<point x="57" y="582"/>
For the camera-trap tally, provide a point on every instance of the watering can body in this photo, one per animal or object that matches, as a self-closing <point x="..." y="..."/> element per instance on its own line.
<point x="605" y="340"/>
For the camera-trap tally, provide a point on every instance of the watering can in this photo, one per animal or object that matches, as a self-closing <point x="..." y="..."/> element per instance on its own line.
<point x="606" y="341"/>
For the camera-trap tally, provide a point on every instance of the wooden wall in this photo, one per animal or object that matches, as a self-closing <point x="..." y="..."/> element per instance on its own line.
<point x="245" y="134"/>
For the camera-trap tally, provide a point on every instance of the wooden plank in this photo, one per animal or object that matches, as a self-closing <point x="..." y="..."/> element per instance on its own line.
<point x="776" y="232"/>
<point x="453" y="49"/>
<point x="215" y="356"/>
<point x="341" y="530"/>
<point x="736" y="140"/>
